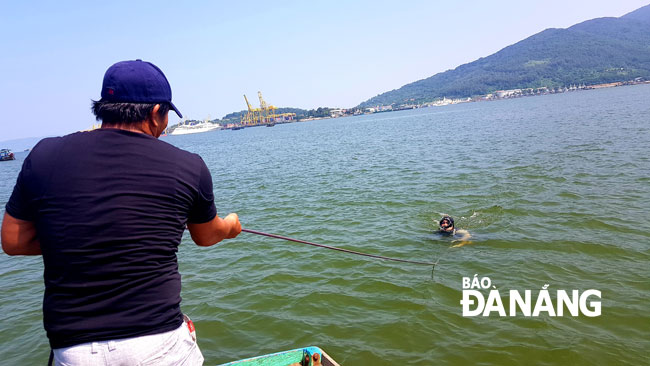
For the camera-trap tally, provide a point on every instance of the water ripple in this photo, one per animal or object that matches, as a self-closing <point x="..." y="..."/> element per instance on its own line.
<point x="547" y="196"/>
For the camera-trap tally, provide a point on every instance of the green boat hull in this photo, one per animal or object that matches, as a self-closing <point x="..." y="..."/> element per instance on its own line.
<point x="286" y="358"/>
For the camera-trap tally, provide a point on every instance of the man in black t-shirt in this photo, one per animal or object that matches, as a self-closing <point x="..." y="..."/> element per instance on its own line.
<point x="107" y="209"/>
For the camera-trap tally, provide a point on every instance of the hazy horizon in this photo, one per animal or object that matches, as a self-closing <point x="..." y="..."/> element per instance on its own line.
<point x="298" y="54"/>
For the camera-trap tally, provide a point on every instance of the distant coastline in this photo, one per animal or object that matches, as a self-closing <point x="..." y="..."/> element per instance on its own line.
<point x="328" y="113"/>
<point x="504" y="94"/>
<point x="19" y="145"/>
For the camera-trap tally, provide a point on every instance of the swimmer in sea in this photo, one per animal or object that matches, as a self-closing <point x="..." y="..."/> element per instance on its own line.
<point x="447" y="228"/>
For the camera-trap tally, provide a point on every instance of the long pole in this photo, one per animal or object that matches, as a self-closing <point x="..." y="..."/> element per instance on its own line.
<point x="335" y="248"/>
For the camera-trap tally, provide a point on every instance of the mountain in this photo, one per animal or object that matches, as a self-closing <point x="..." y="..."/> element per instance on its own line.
<point x="601" y="50"/>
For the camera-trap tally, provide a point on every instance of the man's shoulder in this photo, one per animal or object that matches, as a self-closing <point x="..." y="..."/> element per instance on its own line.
<point x="178" y="152"/>
<point x="55" y="141"/>
<point x="80" y="141"/>
<point x="48" y="145"/>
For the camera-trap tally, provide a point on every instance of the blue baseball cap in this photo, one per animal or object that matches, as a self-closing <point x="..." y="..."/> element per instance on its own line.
<point x="137" y="82"/>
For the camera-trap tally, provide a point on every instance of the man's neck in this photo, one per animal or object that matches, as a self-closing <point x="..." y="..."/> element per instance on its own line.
<point x="139" y="127"/>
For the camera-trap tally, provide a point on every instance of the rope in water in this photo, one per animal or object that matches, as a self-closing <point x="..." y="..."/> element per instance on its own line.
<point x="335" y="248"/>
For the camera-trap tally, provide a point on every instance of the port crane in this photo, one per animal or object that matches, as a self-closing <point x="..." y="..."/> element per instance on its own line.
<point x="252" y="116"/>
<point x="265" y="114"/>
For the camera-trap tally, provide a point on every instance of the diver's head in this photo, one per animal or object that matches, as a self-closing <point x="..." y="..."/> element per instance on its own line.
<point x="446" y="224"/>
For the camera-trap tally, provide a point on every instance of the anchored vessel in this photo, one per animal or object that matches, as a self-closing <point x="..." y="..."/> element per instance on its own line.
<point x="6" y="154"/>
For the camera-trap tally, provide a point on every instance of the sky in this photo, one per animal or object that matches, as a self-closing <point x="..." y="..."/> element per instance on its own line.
<point x="303" y="54"/>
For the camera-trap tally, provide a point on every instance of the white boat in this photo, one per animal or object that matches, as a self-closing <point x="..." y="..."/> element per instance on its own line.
<point x="194" y="127"/>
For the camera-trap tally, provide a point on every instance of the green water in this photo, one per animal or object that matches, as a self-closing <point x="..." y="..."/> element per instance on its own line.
<point x="554" y="189"/>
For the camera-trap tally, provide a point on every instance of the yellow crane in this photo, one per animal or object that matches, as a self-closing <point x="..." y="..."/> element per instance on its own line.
<point x="263" y="115"/>
<point x="262" y="102"/>
<point x="268" y="111"/>
<point x="252" y="116"/>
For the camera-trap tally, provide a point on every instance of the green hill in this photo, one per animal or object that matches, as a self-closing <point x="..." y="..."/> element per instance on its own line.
<point x="601" y="50"/>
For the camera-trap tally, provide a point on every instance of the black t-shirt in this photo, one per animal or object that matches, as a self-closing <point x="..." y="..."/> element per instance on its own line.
<point x="110" y="207"/>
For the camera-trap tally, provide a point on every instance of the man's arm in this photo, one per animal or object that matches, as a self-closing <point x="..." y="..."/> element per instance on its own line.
<point x="19" y="237"/>
<point x="214" y="231"/>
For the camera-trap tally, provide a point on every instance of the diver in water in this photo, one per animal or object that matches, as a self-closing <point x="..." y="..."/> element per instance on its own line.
<point x="447" y="228"/>
<point x="447" y="225"/>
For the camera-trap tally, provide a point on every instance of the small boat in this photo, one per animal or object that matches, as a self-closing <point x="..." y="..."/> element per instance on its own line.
<point x="308" y="356"/>
<point x="6" y="155"/>
<point x="270" y="124"/>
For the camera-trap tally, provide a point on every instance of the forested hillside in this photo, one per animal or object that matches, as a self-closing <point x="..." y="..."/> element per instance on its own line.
<point x="596" y="51"/>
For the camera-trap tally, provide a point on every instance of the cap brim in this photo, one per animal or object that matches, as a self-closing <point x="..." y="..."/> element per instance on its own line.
<point x="176" y="110"/>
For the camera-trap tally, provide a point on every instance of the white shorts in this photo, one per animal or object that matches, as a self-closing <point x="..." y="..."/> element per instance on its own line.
<point x="176" y="347"/>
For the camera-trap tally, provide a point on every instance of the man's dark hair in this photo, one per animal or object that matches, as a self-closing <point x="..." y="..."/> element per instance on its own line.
<point x="113" y="113"/>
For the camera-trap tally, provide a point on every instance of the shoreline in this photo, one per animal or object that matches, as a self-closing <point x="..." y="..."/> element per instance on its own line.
<point x="500" y="95"/>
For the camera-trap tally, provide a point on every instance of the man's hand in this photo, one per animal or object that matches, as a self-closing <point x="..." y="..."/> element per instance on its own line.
<point x="214" y="231"/>
<point x="234" y="224"/>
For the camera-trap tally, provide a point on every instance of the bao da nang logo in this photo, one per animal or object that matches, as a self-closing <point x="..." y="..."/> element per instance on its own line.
<point x="475" y="303"/>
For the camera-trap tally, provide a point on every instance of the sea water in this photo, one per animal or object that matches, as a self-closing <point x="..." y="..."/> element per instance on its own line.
<point x="554" y="189"/>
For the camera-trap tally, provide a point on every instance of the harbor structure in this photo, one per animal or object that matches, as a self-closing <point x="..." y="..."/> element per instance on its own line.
<point x="264" y="115"/>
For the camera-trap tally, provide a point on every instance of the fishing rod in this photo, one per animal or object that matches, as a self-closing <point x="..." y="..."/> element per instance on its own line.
<point x="335" y="248"/>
